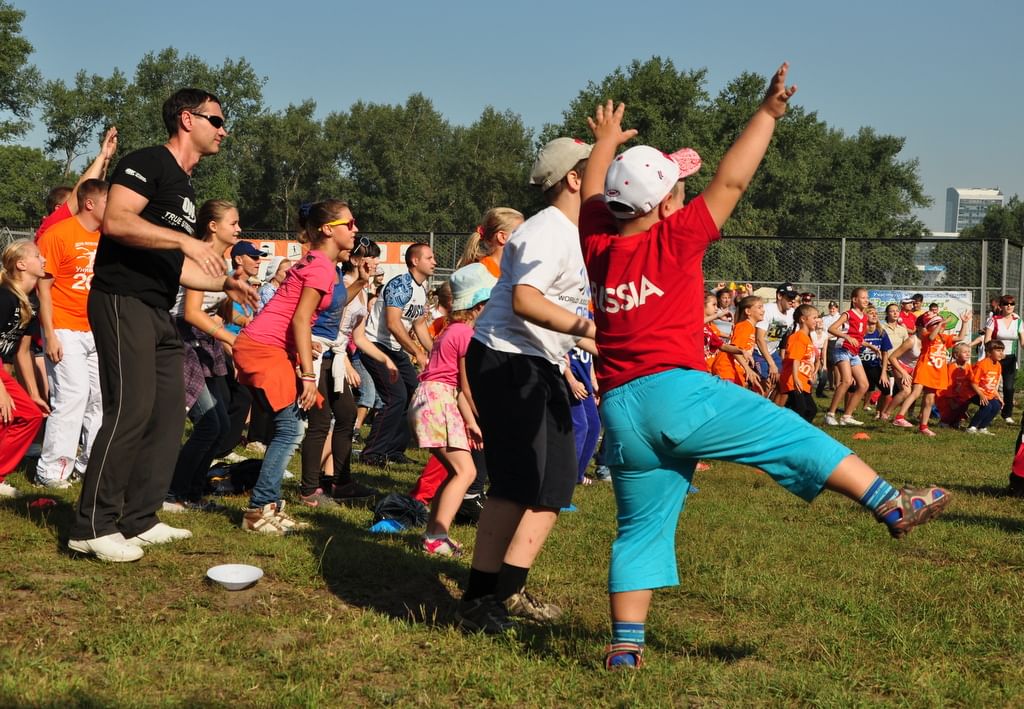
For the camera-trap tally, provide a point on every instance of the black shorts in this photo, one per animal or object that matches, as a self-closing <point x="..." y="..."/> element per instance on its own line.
<point x="527" y="427"/>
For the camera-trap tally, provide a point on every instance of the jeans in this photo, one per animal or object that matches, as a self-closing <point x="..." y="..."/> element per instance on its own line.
<point x="985" y="414"/>
<point x="289" y="427"/>
<point x="209" y="418"/>
<point x="390" y="433"/>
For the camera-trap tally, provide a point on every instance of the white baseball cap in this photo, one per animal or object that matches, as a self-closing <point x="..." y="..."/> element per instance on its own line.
<point x="639" y="178"/>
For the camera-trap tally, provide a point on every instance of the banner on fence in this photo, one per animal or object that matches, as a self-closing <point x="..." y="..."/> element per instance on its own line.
<point x="952" y="304"/>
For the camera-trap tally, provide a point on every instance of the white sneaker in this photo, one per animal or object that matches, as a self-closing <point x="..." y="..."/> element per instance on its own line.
<point x="850" y="421"/>
<point x="159" y="533"/>
<point x="55" y="484"/>
<point x="831" y="420"/>
<point x="173" y="507"/>
<point x="971" y="430"/>
<point x="1008" y="419"/>
<point x="9" y="491"/>
<point x="111" y="547"/>
<point x="985" y="432"/>
<point x="230" y="458"/>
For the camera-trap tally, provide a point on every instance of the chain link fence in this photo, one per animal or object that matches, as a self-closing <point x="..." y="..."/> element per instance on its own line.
<point x="832" y="267"/>
<point x="826" y="266"/>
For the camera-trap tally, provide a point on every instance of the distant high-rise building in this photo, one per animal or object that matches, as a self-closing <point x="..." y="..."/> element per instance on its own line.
<point x="966" y="207"/>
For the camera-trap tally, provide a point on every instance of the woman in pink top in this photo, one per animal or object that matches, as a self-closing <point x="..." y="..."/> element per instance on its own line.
<point x="442" y="411"/>
<point x="278" y="342"/>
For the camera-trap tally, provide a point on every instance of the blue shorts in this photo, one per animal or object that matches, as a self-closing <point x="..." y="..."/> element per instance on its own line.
<point x="656" y="429"/>
<point x="844" y="355"/>
<point x="761" y="364"/>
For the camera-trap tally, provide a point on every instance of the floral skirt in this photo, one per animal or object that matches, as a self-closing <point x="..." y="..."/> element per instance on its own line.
<point x="435" y="417"/>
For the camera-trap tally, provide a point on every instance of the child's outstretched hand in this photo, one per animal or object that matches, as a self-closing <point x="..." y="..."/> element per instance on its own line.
<point x="777" y="98"/>
<point x="607" y="124"/>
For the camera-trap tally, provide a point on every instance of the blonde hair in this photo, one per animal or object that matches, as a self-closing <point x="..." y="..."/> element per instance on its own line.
<point x="494" y="220"/>
<point x="746" y="303"/>
<point x="14" y="252"/>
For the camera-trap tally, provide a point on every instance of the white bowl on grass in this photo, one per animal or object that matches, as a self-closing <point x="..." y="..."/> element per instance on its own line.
<point x="235" y="577"/>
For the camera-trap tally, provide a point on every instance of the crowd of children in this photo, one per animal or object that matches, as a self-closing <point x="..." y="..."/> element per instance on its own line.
<point x="540" y="323"/>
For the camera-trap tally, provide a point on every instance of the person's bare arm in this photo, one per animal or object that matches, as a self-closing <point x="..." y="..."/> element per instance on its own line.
<point x="54" y="350"/>
<point x="393" y="318"/>
<point x="741" y="160"/>
<point x="302" y="330"/>
<point x="371" y="350"/>
<point x="97" y="169"/>
<point x="606" y="125"/>
<point x="201" y="320"/>
<point x="531" y="305"/>
<point x="419" y="327"/>
<point x="26" y="371"/>
<point x="235" y="285"/>
<point x="123" y="223"/>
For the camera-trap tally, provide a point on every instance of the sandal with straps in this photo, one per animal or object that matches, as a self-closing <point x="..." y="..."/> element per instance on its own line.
<point x="620" y="651"/>
<point x="916" y="506"/>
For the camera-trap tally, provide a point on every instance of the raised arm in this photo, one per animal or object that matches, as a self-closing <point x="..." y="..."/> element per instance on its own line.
<point x="741" y="160"/>
<point x="97" y="169"/>
<point x="606" y="125"/>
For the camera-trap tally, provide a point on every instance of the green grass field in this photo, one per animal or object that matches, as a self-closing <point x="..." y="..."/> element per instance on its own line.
<point x="781" y="603"/>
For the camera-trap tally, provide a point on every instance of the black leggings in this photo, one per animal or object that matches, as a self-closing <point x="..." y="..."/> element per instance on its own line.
<point x="1009" y="365"/>
<point x="341" y="406"/>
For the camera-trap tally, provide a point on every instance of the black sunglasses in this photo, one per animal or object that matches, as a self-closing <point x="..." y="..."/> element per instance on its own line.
<point x="215" y="121"/>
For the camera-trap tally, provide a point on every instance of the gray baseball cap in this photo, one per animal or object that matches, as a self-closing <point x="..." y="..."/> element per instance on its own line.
<point x="556" y="159"/>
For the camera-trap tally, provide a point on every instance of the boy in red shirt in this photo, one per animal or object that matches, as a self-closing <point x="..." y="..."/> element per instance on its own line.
<point x="661" y="409"/>
<point x="987" y="383"/>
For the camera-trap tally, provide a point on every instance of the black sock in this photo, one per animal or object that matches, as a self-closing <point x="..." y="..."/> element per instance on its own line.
<point x="511" y="580"/>
<point x="481" y="583"/>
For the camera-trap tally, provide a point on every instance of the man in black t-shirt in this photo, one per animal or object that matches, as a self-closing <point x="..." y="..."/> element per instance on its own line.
<point x="147" y="248"/>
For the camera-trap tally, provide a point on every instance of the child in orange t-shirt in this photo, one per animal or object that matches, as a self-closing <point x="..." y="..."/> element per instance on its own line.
<point x="953" y="400"/>
<point x="735" y="366"/>
<point x="798" y="363"/>
<point x="931" y="374"/>
<point x="987" y="382"/>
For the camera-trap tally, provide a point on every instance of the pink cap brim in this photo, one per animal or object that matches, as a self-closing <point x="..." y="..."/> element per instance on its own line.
<point x="688" y="161"/>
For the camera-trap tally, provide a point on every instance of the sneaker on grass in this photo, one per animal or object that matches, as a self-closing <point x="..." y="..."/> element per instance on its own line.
<point x="318" y="498"/>
<point x="53" y="484"/>
<point x="483" y="615"/>
<point x="444" y="546"/>
<point x="353" y="492"/>
<point x="850" y="421"/>
<point x="159" y="533"/>
<point x="111" y="547"/>
<point x="912" y="507"/>
<point x="831" y="420"/>
<point x="523" y="605"/>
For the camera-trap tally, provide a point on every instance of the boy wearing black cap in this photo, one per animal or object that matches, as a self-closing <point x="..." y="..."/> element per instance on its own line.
<point x="777" y="321"/>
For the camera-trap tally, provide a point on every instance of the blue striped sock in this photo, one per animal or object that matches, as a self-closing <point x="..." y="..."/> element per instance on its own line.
<point x="626" y="633"/>
<point x="878" y="492"/>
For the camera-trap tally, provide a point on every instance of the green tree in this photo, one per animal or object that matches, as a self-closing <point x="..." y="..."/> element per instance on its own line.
<point x="18" y="78"/>
<point x="290" y="161"/>
<point x="74" y="116"/>
<point x="27" y="176"/>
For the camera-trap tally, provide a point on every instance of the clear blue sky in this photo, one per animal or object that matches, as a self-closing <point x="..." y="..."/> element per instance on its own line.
<point x="946" y="75"/>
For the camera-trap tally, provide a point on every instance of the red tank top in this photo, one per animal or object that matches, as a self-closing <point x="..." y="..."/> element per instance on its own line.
<point x="856" y="327"/>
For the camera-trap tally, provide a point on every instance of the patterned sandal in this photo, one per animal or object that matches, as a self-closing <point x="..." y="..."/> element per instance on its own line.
<point x="616" y="656"/>
<point x="915" y="505"/>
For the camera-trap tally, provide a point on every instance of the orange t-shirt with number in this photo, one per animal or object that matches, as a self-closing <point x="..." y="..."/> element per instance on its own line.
<point x="724" y="366"/>
<point x="799" y="361"/>
<point x="70" y="250"/>
<point x="987" y="375"/>
<point x="931" y="370"/>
